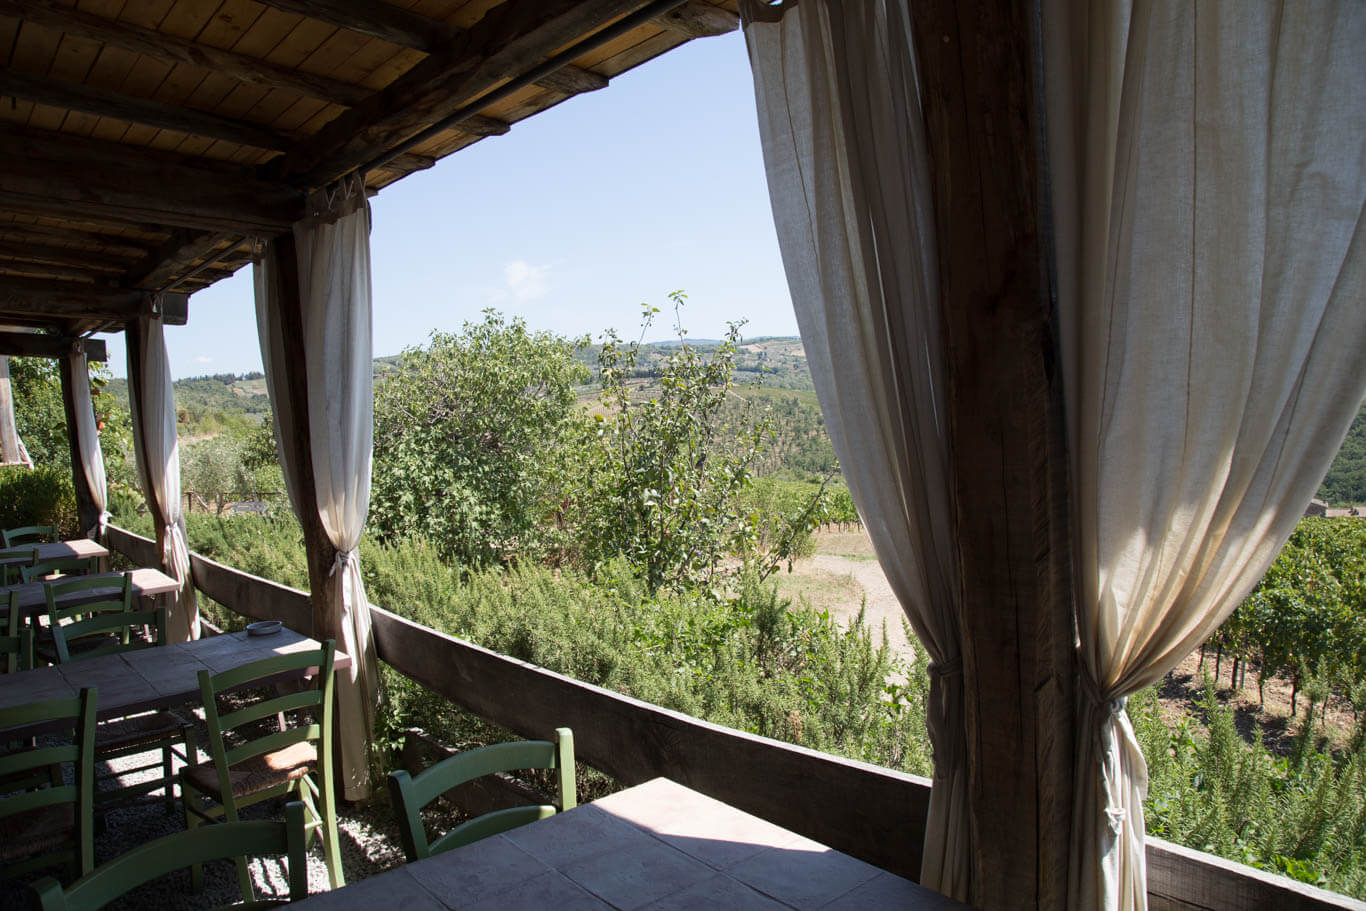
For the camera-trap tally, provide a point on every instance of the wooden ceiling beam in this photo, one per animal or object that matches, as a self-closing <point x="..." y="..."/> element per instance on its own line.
<point x="37" y="344"/>
<point x="698" y="19"/>
<point x="27" y="251"/>
<point x="110" y="244"/>
<point x="43" y="302"/>
<point x="162" y="46"/>
<point x="60" y="176"/>
<point x="169" y="263"/>
<point x="413" y="30"/>
<point x="103" y="103"/>
<point x="509" y="40"/>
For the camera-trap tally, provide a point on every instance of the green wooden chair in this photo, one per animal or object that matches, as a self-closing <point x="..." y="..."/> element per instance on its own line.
<point x="410" y="794"/>
<point x="69" y="608"/>
<point x="29" y="534"/>
<point x="282" y="743"/>
<point x="58" y="567"/>
<point x="172" y="852"/>
<point x="89" y="630"/>
<point x="16" y="639"/>
<point x="44" y="822"/>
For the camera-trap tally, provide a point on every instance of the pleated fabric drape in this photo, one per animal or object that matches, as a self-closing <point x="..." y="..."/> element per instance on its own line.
<point x="1209" y="180"/>
<point x="333" y="255"/>
<point x="88" y="438"/>
<point x="844" y="151"/>
<point x="152" y="402"/>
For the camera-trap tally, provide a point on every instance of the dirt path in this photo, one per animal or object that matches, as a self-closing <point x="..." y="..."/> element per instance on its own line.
<point x="843" y="576"/>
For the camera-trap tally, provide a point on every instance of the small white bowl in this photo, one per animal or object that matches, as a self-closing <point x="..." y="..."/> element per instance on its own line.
<point x="263" y="627"/>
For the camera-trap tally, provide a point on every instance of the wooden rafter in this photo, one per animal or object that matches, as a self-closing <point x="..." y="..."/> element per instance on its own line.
<point x="169" y="262"/>
<point x="413" y="30"/>
<point x="30" y="252"/>
<point x="161" y="46"/>
<point x="509" y="40"/>
<point x="59" y="176"/>
<point x="103" y="103"/>
<point x="109" y="244"/>
<point x="28" y="302"/>
<point x="699" y="20"/>
<point x="35" y="344"/>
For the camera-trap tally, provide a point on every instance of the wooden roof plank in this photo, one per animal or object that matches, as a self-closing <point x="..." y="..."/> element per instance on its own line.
<point x="104" y="103"/>
<point x="137" y="39"/>
<point x="29" y="251"/>
<point x="511" y="39"/>
<point x="76" y="239"/>
<point x="405" y="28"/>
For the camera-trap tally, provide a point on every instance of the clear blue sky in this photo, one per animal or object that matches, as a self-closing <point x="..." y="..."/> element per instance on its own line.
<point x="571" y="221"/>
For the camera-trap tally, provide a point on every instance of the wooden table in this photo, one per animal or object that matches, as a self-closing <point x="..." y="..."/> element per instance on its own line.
<point x="150" y="678"/>
<point x="656" y="846"/>
<point x="147" y="583"/>
<point x="77" y="548"/>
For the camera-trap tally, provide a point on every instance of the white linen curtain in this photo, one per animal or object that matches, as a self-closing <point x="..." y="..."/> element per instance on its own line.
<point x="848" y="175"/>
<point x="12" y="450"/>
<point x="333" y="252"/>
<point x="1209" y="184"/>
<point x="152" y="403"/>
<point x="88" y="438"/>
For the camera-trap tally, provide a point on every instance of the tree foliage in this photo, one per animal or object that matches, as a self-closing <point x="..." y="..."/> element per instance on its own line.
<point x="1345" y="483"/>
<point x="468" y="433"/>
<point x="666" y="470"/>
<point x="40" y="417"/>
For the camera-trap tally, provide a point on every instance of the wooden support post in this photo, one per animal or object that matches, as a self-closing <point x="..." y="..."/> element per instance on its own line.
<point x="317" y="545"/>
<point x="86" y="507"/>
<point x="978" y="66"/>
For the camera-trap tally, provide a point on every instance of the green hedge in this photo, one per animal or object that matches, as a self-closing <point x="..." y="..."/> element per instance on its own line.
<point x="38" y="496"/>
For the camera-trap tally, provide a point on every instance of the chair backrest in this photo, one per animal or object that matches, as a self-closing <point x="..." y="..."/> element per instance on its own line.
<point x="29" y="534"/>
<point x="82" y="627"/>
<point x="77" y="715"/>
<point x="16" y="644"/>
<point x="411" y="794"/>
<point x="65" y="566"/>
<point x="172" y="852"/>
<point x="312" y="710"/>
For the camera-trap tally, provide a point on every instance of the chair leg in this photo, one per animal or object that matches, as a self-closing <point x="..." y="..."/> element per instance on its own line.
<point x="167" y="782"/>
<point x="192" y="821"/>
<point x="331" y="843"/>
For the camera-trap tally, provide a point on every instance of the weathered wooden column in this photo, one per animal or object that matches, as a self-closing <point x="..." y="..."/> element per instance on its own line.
<point x="318" y="548"/>
<point x="978" y="67"/>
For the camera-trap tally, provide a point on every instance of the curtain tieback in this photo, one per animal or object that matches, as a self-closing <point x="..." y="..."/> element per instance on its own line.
<point x="1109" y="722"/>
<point x="945" y="669"/>
<point x="96" y="531"/>
<point x="343" y="557"/>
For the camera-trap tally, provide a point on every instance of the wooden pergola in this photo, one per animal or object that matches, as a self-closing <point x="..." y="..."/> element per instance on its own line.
<point x="147" y="145"/>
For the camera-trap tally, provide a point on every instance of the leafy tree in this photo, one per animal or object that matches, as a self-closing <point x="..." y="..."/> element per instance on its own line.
<point x="40" y="416"/>
<point x="664" y="475"/>
<point x="469" y="434"/>
<point x="39" y="413"/>
<point x="1345" y="482"/>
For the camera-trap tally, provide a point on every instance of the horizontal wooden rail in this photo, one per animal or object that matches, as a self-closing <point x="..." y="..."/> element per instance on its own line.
<point x="870" y="812"/>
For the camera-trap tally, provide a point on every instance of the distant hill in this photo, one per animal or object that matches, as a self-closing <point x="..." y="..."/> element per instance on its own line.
<point x="773" y="362"/>
<point x="1345" y="484"/>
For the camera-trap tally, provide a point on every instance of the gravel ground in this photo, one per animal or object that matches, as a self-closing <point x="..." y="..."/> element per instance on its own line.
<point x="369" y="845"/>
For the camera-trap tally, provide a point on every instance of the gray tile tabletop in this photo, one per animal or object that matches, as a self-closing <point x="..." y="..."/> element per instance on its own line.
<point x="653" y="847"/>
